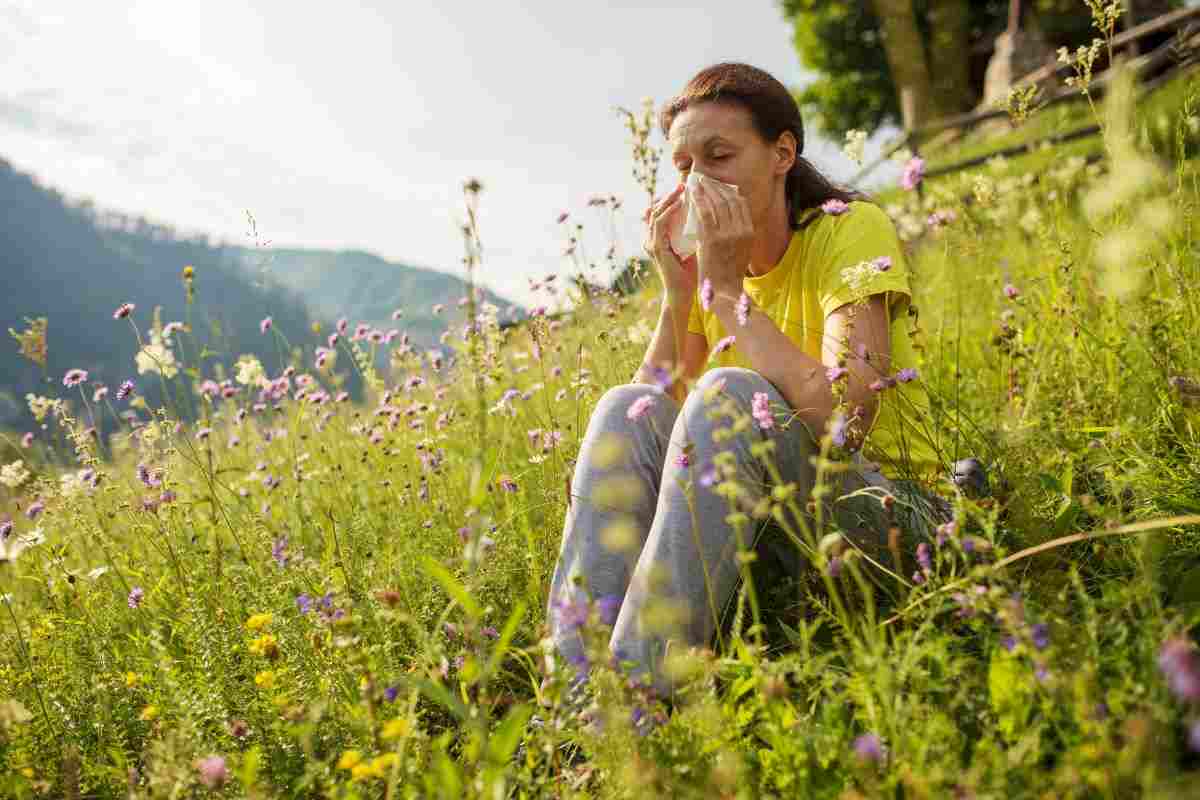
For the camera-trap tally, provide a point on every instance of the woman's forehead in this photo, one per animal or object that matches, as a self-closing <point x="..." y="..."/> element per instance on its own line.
<point x="696" y="125"/>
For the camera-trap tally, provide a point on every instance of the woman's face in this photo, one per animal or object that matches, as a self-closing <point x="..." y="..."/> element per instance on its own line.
<point x="719" y="140"/>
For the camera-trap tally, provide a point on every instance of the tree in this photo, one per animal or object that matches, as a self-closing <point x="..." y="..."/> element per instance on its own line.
<point x="861" y="63"/>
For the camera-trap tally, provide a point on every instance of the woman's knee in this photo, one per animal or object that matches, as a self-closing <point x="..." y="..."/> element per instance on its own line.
<point x="733" y="381"/>
<point x="625" y="404"/>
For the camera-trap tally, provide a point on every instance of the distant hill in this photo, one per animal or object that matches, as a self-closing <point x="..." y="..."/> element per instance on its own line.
<point x="363" y="287"/>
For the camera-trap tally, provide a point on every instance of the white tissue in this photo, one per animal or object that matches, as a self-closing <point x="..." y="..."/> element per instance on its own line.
<point x="685" y="237"/>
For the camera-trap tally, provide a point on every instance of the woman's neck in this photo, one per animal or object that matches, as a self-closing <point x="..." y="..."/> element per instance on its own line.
<point x="771" y="244"/>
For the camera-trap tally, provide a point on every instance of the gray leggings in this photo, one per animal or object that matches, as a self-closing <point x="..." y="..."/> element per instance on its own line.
<point x="659" y="531"/>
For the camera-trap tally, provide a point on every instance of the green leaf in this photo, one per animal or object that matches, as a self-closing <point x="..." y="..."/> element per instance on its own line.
<point x="453" y="587"/>
<point x="504" y="741"/>
<point x="1009" y="695"/>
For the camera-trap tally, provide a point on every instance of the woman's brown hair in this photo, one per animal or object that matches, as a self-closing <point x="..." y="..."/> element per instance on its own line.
<point x="773" y="110"/>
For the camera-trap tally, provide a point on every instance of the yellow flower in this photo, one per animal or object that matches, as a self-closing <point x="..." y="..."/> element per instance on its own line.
<point x="381" y="764"/>
<point x="397" y="728"/>
<point x="361" y="772"/>
<point x="265" y="645"/>
<point x="189" y="272"/>
<point x="265" y="679"/>
<point x="350" y="759"/>
<point x="149" y="712"/>
<point x="258" y="622"/>
<point x="132" y="679"/>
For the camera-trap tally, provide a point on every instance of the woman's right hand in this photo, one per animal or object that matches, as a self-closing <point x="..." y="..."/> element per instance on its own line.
<point x="678" y="276"/>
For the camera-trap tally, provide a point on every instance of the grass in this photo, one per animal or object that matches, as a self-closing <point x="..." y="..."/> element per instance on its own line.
<point x="324" y="600"/>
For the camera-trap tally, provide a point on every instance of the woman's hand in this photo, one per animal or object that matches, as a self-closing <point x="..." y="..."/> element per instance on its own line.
<point x="679" y="278"/>
<point x="726" y="237"/>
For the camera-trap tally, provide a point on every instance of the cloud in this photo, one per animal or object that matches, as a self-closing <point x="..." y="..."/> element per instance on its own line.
<point x="26" y="112"/>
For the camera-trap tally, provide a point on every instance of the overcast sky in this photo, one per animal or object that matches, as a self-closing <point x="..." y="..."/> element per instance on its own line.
<point x="353" y="124"/>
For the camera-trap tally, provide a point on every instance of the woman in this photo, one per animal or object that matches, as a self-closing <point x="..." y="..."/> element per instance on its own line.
<point x="812" y="284"/>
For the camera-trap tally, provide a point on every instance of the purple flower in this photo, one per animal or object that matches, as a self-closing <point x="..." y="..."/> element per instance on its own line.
<point x="27" y="440"/>
<point x="391" y="693"/>
<point x="640" y="407"/>
<point x="742" y="309"/>
<point x="914" y="172"/>
<point x="572" y="612"/>
<point x="708" y="476"/>
<point x="608" y="607"/>
<point x="706" y="294"/>
<point x="1193" y="737"/>
<point x="724" y="344"/>
<point x="203" y="433"/>
<point x="882" y="264"/>
<point x="761" y="410"/>
<point x="135" y="596"/>
<point x="213" y="772"/>
<point x="906" y="375"/>
<point x="125" y="389"/>
<point x="490" y="632"/>
<point x="1011" y="292"/>
<point x="1009" y="643"/>
<point x="35" y="508"/>
<point x="834" y="207"/>
<point x="835" y="566"/>
<point x="684" y="459"/>
<point x="662" y="377"/>
<point x="304" y="603"/>
<point x="1178" y="662"/>
<point x="837" y="430"/>
<point x="945" y="531"/>
<point x="74" y="377"/>
<point x="279" y="551"/>
<point x="923" y="557"/>
<point x="1040" y="633"/>
<point x="123" y="310"/>
<point x="265" y="325"/>
<point x="868" y="747"/>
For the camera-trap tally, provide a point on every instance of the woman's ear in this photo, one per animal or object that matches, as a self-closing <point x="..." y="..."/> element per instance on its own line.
<point x="785" y="152"/>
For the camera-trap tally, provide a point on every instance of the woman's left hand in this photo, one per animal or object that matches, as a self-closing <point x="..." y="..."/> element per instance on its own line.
<point x="726" y="237"/>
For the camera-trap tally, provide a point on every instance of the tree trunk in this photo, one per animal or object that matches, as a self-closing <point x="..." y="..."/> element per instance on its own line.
<point x="906" y="59"/>
<point x="949" y="70"/>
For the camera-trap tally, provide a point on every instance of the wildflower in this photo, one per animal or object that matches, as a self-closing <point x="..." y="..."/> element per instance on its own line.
<point x="74" y="377"/>
<point x="706" y="294"/>
<point x="724" y="344"/>
<point x="1011" y="292"/>
<point x="258" y="621"/>
<point x="27" y="440"/>
<point x="170" y="329"/>
<point x="123" y="310"/>
<point x="507" y="483"/>
<point x="99" y="394"/>
<point x="391" y="693"/>
<point x="249" y="371"/>
<point x="914" y="172"/>
<point x="1178" y="662"/>
<point x="279" y="551"/>
<point x="213" y="772"/>
<point x="640" y="407"/>
<point x="1193" y="737"/>
<point x="923" y="557"/>
<point x="608" y="607"/>
<point x="837" y="430"/>
<point x="125" y="389"/>
<point x="868" y="747"/>
<point x="397" y="728"/>
<point x="304" y="603"/>
<point x="490" y="632"/>
<point x="266" y="645"/>
<point x="834" y="207"/>
<point x="906" y="375"/>
<point x="572" y="612"/>
<point x="742" y="309"/>
<point x="149" y="713"/>
<point x="1040" y="633"/>
<point x="265" y="325"/>
<point x="882" y="264"/>
<point x="265" y="679"/>
<point x="35" y="508"/>
<point x="761" y="410"/>
<point x="684" y="460"/>
<point x="835" y="374"/>
<point x="14" y="474"/>
<point x="941" y="218"/>
<point x="203" y="434"/>
<point x="835" y="566"/>
<point x="856" y="141"/>
<point x="154" y="357"/>
<point x="135" y="597"/>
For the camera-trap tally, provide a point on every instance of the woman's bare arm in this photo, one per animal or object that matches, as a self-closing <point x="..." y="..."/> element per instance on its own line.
<point x="671" y="345"/>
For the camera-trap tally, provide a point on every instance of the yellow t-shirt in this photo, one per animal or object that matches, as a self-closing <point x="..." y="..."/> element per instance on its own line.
<point x="808" y="284"/>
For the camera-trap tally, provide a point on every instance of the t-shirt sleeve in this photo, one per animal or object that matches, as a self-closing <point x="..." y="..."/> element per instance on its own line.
<point x="863" y="239"/>
<point x="695" y="323"/>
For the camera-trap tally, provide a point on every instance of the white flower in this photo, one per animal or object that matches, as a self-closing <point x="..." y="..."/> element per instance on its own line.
<point x="155" y="357"/>
<point x="14" y="474"/>
<point x="13" y="546"/>
<point x="856" y="140"/>
<point x="250" y="371"/>
<point x="41" y="406"/>
<point x="74" y="483"/>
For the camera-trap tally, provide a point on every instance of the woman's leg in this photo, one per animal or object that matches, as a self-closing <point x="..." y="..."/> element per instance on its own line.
<point x="688" y="566"/>
<point x="637" y="467"/>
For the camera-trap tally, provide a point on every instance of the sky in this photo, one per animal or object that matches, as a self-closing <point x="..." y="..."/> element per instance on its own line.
<point x="354" y="124"/>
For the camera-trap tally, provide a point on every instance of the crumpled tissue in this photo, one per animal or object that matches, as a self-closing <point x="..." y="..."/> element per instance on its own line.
<point x="685" y="237"/>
